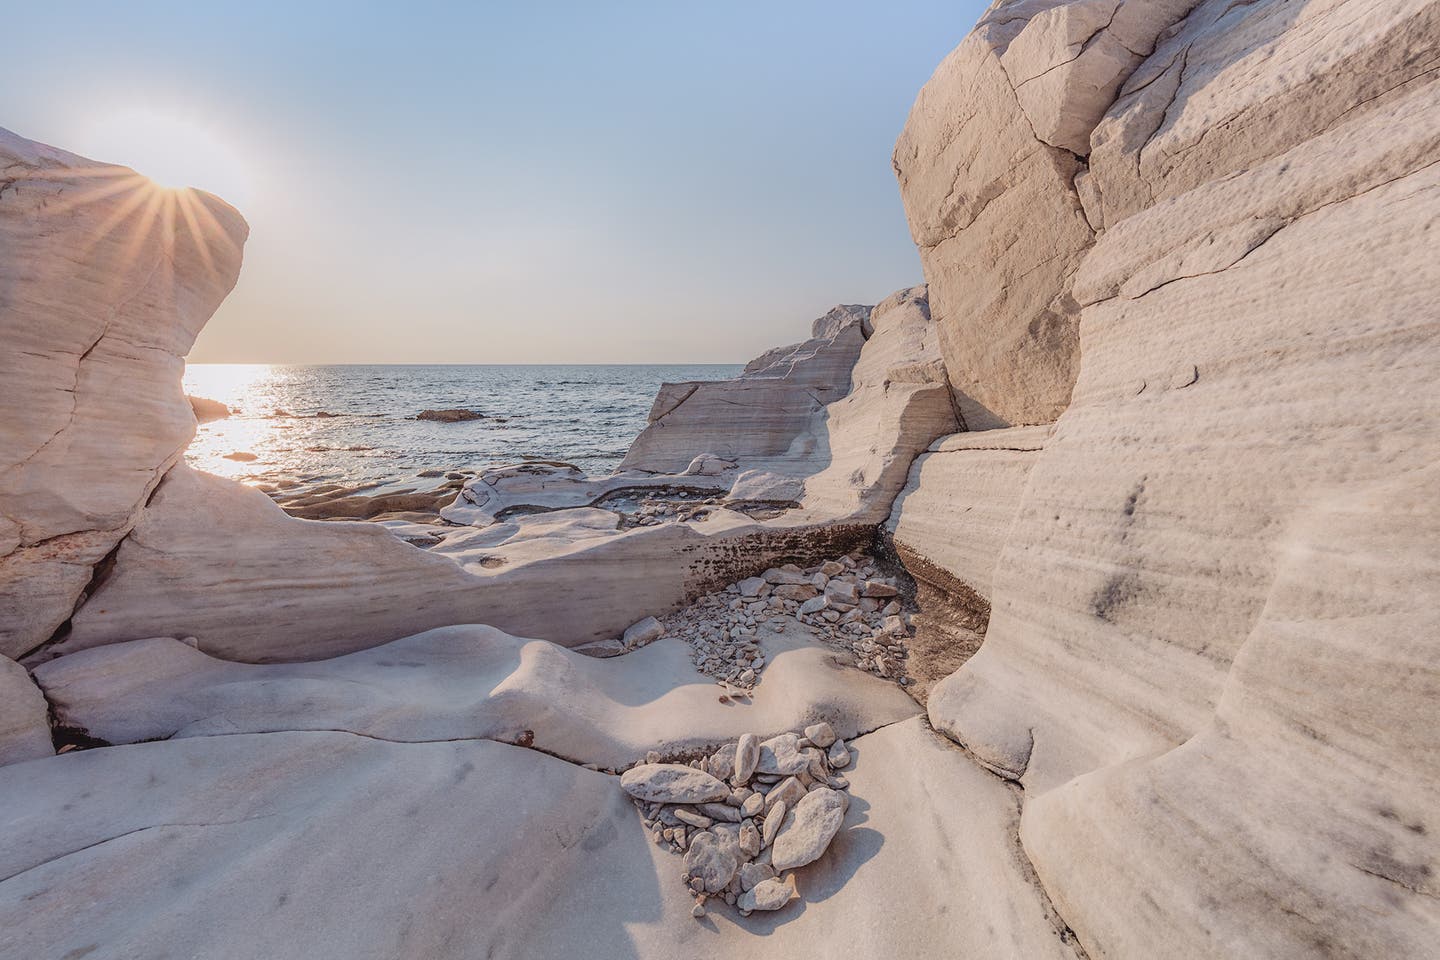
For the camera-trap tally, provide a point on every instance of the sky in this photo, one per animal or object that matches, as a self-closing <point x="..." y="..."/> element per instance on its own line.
<point x="507" y="182"/>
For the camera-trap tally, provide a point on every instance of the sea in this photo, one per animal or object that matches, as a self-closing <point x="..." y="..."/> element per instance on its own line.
<point x="303" y="425"/>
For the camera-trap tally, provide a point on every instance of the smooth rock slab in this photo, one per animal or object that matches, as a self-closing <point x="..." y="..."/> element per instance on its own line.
<point x="465" y="681"/>
<point x="808" y="829"/>
<point x="550" y="859"/>
<point x="672" y="783"/>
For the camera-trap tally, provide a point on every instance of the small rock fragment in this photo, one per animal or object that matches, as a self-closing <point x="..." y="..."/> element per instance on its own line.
<point x="719" y="811"/>
<point x="813" y="605"/>
<point x="645" y="631"/>
<point x="749" y="839"/>
<point x="672" y="783"/>
<point x="808" y="829"/>
<point x="694" y="819"/>
<point x="774" y="820"/>
<point x="769" y="894"/>
<point x="838" y="756"/>
<point x="781" y="756"/>
<point x="788" y="793"/>
<point x="710" y="861"/>
<point x="752" y="586"/>
<point x="820" y="734"/>
<point x="753" y="873"/>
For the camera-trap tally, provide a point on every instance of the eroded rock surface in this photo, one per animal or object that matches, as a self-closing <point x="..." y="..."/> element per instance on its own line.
<point x="764" y="416"/>
<point x="24" y="720"/>
<point x="987" y="165"/>
<point x="466" y="681"/>
<point x="104" y="283"/>
<point x="1167" y="616"/>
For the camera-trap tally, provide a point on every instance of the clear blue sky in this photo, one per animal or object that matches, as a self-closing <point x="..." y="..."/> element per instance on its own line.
<point x="521" y="182"/>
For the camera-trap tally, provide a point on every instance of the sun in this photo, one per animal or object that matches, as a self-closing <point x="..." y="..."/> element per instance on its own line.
<point x="174" y="152"/>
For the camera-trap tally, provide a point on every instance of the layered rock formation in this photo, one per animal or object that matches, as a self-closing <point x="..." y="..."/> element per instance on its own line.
<point x="1185" y="572"/>
<point x="764" y="417"/>
<point x="105" y="281"/>
<point x="987" y="163"/>
<point x="1182" y="594"/>
<point x="202" y="556"/>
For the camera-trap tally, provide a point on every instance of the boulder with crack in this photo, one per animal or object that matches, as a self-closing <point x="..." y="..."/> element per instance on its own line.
<point x="106" y="279"/>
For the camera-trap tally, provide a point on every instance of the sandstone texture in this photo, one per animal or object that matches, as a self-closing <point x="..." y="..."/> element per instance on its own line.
<point x="104" y="283"/>
<point x="948" y="526"/>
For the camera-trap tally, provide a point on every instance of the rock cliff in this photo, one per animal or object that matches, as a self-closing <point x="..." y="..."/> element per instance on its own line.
<point x="1195" y="557"/>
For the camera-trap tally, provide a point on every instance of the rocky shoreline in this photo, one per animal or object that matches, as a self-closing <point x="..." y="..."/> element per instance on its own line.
<point x="1109" y="555"/>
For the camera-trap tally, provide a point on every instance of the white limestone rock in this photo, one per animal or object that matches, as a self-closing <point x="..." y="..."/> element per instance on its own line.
<point x="710" y="859"/>
<point x="759" y="417"/>
<point x="641" y="632"/>
<point x="673" y="783"/>
<point x="24" y="716"/>
<point x="948" y="528"/>
<point x="899" y="402"/>
<point x="552" y="485"/>
<point x="104" y="283"/>
<point x="808" y="829"/>
<point x="987" y="177"/>
<point x="254" y="829"/>
<point x="463" y="681"/>
<point x="768" y="895"/>
<point x="203" y="557"/>
<point x="1174" y="602"/>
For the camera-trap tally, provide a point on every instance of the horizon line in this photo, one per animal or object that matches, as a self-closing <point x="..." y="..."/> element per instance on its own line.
<point x="464" y="363"/>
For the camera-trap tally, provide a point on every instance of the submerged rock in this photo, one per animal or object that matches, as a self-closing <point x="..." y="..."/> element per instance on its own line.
<point x="456" y="415"/>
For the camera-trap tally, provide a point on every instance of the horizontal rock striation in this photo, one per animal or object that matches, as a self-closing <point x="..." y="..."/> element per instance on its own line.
<point x="948" y="527"/>
<point x="104" y="283"/>
<point x="763" y="418"/>
<point x="1225" y="520"/>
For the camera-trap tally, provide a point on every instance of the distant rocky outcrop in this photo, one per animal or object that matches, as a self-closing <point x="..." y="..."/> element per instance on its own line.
<point x="206" y="410"/>
<point x="763" y="418"/>
<point x="203" y="553"/>
<point x="452" y="415"/>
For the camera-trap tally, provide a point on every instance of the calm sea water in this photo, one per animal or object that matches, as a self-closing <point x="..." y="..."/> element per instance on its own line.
<point x="586" y="415"/>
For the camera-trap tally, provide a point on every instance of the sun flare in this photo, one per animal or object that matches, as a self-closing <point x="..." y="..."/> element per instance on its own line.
<point x="174" y="152"/>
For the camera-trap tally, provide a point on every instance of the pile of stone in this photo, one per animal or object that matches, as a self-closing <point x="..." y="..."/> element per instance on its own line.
<point x="845" y="602"/>
<point x="747" y="813"/>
